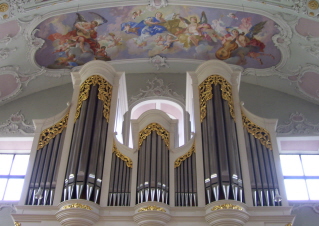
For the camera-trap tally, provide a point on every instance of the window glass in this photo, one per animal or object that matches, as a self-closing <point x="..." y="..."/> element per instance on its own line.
<point x="20" y="164"/>
<point x="14" y="189"/>
<point x="296" y="189"/>
<point x="313" y="188"/>
<point x="3" y="184"/>
<point x="12" y="172"/>
<point x="310" y="165"/>
<point x="5" y="164"/>
<point x="291" y="165"/>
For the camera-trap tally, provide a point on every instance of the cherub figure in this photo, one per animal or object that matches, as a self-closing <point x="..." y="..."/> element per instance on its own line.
<point x="168" y="43"/>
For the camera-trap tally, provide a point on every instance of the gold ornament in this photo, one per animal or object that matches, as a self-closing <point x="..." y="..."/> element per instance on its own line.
<point x="5" y="16"/>
<point x="154" y="127"/>
<point x="49" y="133"/>
<point x="311" y="14"/>
<point x="289" y="224"/>
<point x="17" y="224"/>
<point x="313" y="4"/>
<point x="4" y="7"/>
<point x="206" y="93"/>
<point x="227" y="206"/>
<point x="104" y="94"/>
<point x="259" y="133"/>
<point x="152" y="208"/>
<point x="77" y="206"/>
<point x="179" y="161"/>
<point x="126" y="159"/>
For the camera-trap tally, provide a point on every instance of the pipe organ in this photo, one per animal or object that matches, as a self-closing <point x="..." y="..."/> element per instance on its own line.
<point x="227" y="171"/>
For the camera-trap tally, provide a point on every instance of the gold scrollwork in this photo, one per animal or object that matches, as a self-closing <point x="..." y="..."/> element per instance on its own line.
<point x="154" y="127"/>
<point x="126" y="159"/>
<point x="258" y="132"/>
<point x="227" y="206"/>
<point x="313" y="4"/>
<point x="104" y="94"/>
<point x="4" y="7"/>
<point x="77" y="206"/>
<point x="289" y="224"/>
<point x="49" y="133"/>
<point x="179" y="161"/>
<point x="205" y="94"/>
<point x="17" y="224"/>
<point x="152" y="208"/>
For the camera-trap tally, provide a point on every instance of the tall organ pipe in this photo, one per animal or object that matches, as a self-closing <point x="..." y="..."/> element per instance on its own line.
<point x="44" y="174"/>
<point x="223" y="177"/>
<point x="264" y="182"/>
<point x="153" y="165"/>
<point x="86" y="159"/>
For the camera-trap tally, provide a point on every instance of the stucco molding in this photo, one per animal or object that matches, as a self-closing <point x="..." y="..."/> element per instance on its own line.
<point x="299" y="74"/>
<point x="6" y="52"/>
<point x="157" y="88"/>
<point x="16" y="124"/>
<point x="298" y="124"/>
<point x="22" y="79"/>
<point x="299" y="206"/>
<point x="8" y="205"/>
<point x="158" y="62"/>
<point x="281" y="40"/>
<point x="162" y="4"/>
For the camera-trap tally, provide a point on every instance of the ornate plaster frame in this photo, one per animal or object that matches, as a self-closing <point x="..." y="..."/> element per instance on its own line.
<point x="285" y="33"/>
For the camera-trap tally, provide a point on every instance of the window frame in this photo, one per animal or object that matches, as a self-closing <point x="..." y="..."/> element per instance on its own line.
<point x="298" y="153"/>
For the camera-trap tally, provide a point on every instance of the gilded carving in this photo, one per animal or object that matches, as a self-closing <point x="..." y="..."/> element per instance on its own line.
<point x="17" y="224"/>
<point x="179" y="161"/>
<point x="152" y="208"/>
<point x="154" y="127"/>
<point x="104" y="94"/>
<point x="259" y="133"/>
<point x="126" y="159"/>
<point x="4" y="7"/>
<point x="289" y="224"/>
<point x="205" y="94"/>
<point x="227" y="206"/>
<point x="49" y="133"/>
<point x="77" y="206"/>
<point x="313" y="4"/>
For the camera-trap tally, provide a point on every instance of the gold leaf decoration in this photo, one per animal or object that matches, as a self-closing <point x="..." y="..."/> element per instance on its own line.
<point x="206" y="93"/>
<point x="258" y="132"/>
<point x="17" y="224"/>
<point x="313" y="4"/>
<point x="4" y="7"/>
<point x="152" y="208"/>
<point x="49" y="133"/>
<point x="104" y="94"/>
<point x="179" y="161"/>
<point x="227" y="206"/>
<point x="153" y="127"/>
<point x="289" y="224"/>
<point x="126" y="159"/>
<point x="76" y="206"/>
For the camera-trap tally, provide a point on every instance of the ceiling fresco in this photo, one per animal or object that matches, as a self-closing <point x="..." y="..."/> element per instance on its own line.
<point x="184" y="32"/>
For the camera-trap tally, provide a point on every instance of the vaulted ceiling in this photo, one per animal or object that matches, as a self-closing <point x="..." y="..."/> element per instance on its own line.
<point x="42" y="41"/>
